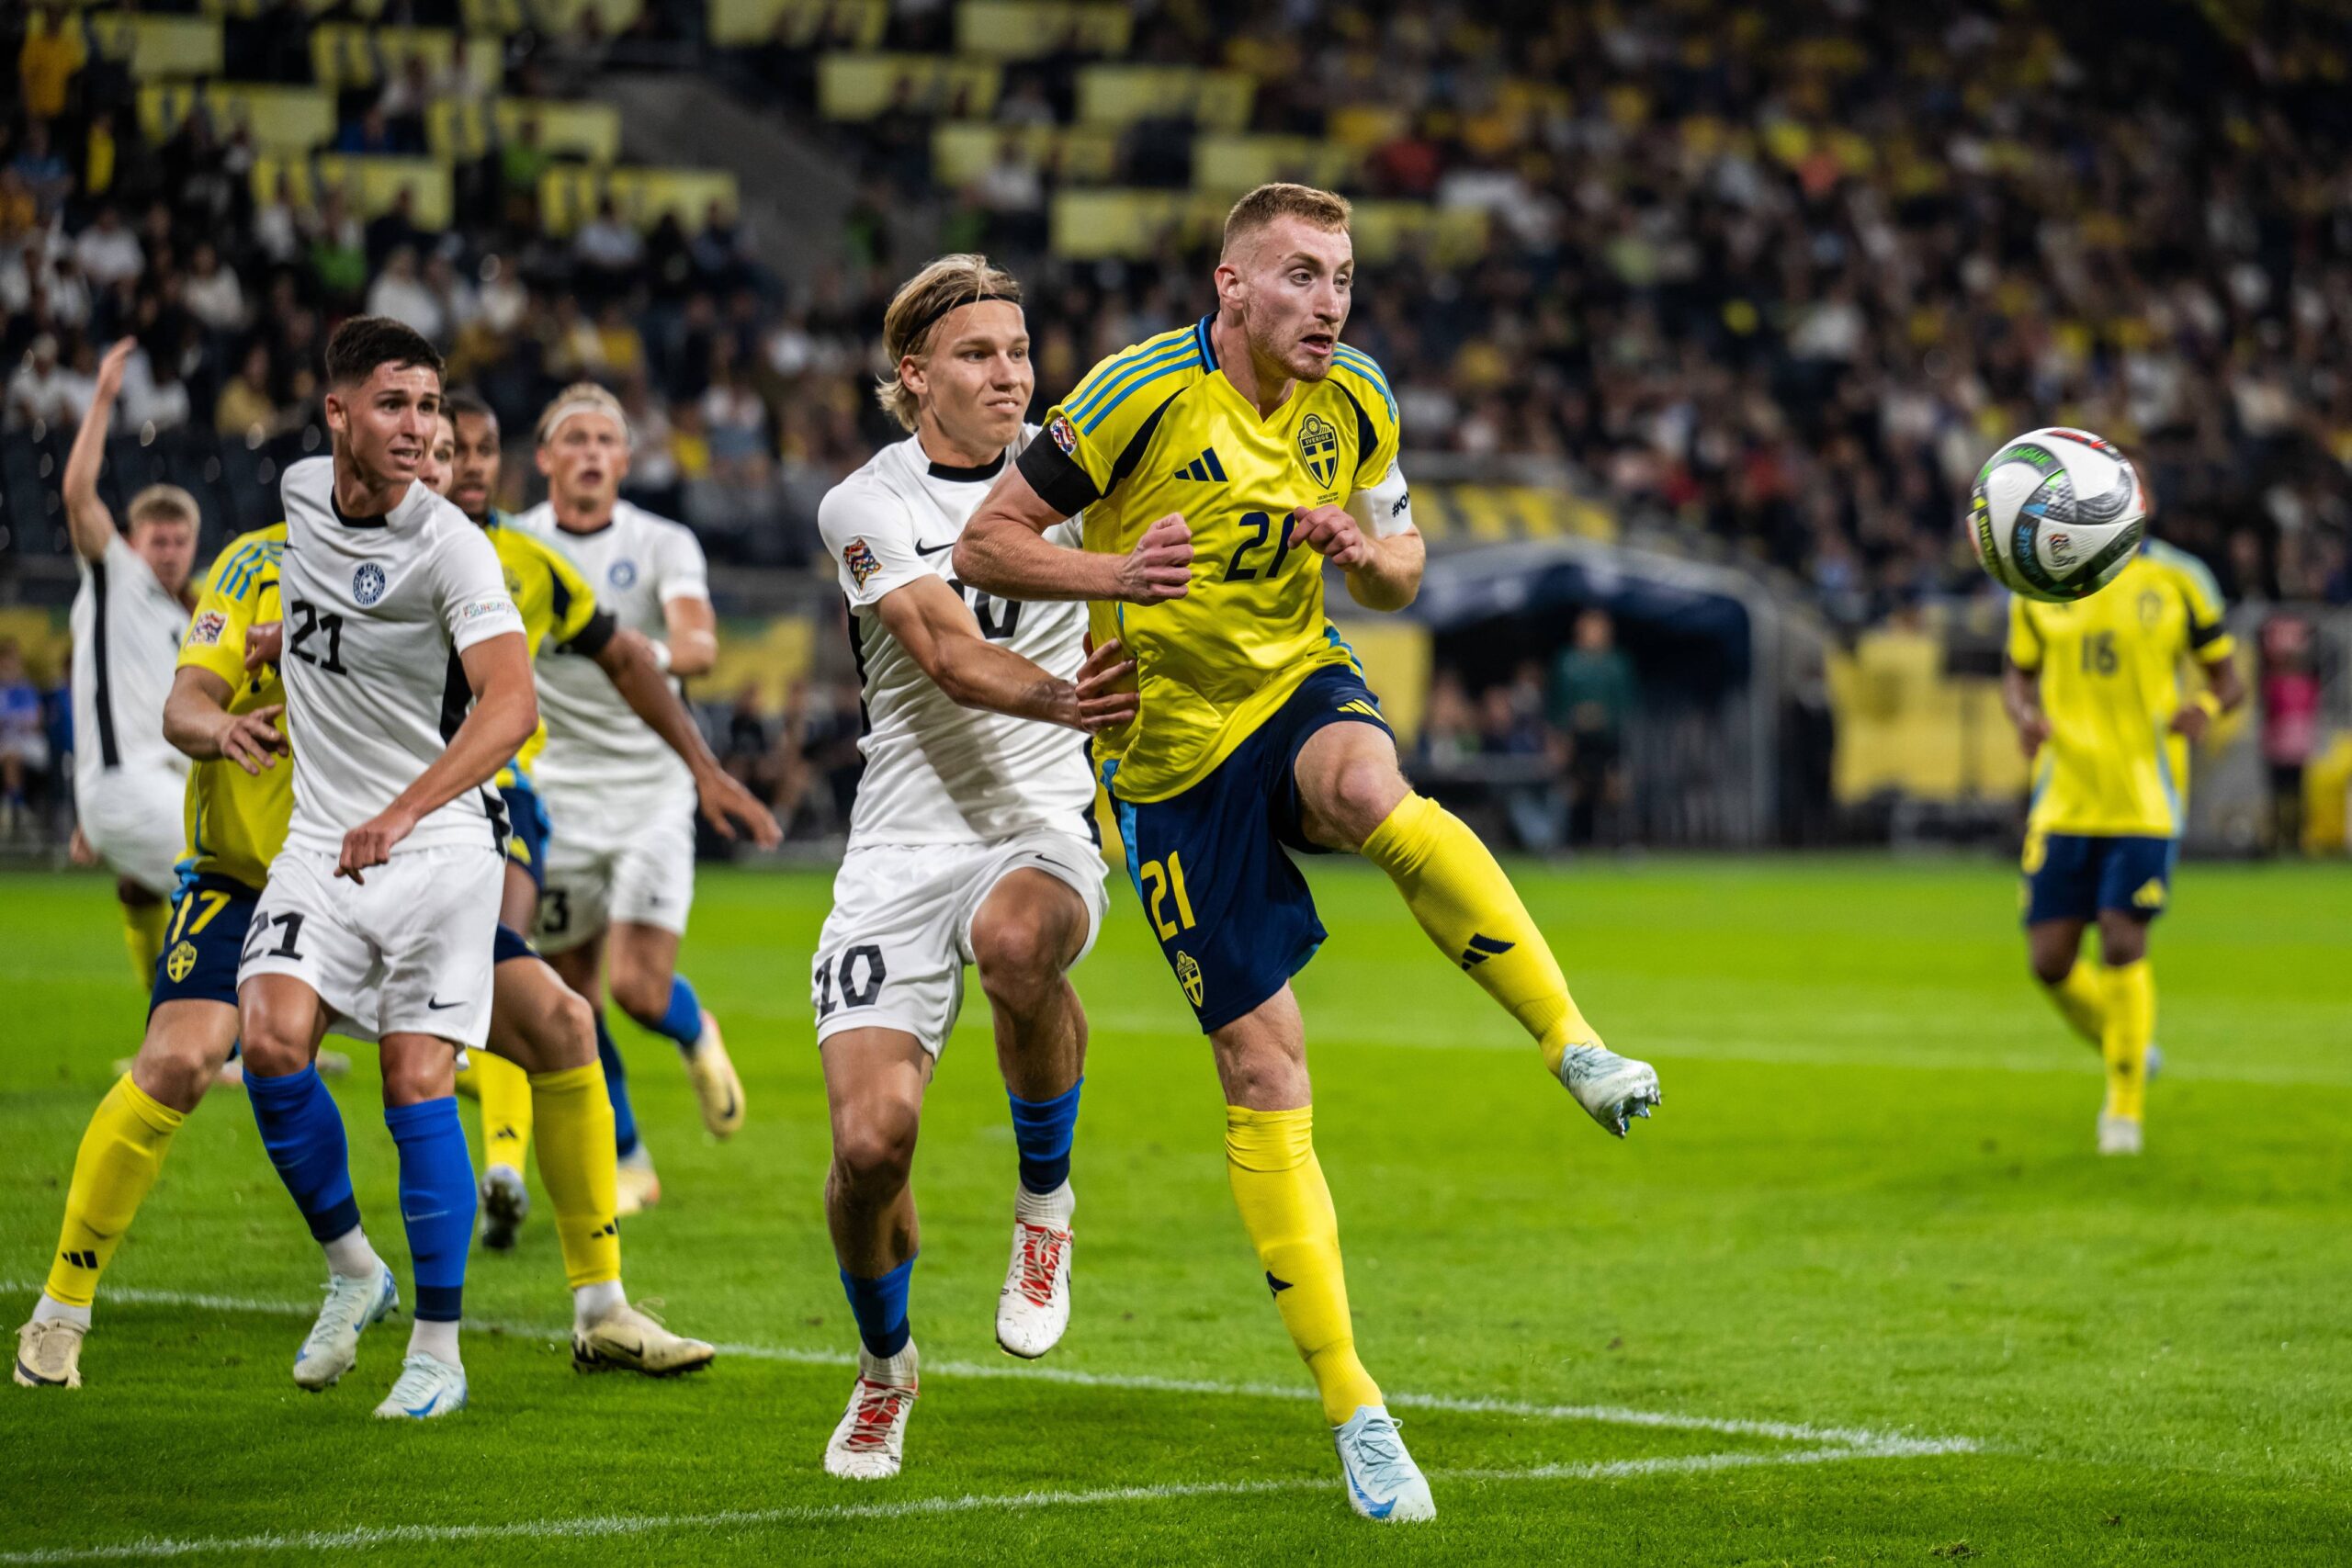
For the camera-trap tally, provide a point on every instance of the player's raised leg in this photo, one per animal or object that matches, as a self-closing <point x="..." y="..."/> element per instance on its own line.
<point x="1286" y="1207"/>
<point x="1030" y="928"/>
<point x="1353" y="796"/>
<point x="875" y="1080"/>
<point x="123" y="1149"/>
<point x="547" y="1029"/>
<point x="644" y="969"/>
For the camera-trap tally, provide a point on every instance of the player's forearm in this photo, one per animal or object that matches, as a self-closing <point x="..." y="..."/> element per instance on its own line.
<point x="1006" y="556"/>
<point x="2228" y="686"/>
<point x="2021" y="695"/>
<point x="1392" y="578"/>
<point x="195" y="714"/>
<point x="976" y="674"/>
<point x="86" y="517"/>
<point x="503" y="716"/>
<point x="691" y="635"/>
<point x="628" y="661"/>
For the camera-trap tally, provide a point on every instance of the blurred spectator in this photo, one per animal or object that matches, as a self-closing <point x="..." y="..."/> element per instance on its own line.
<point x="608" y="250"/>
<point x="246" y="412"/>
<point x="24" y="739"/>
<point x="399" y="292"/>
<point x="39" y="393"/>
<point x="1591" y="699"/>
<point x="43" y="173"/>
<point x="51" y="56"/>
<point x="2291" y="710"/>
<point x="107" y="253"/>
<point x="1512" y="730"/>
<point x="210" y="292"/>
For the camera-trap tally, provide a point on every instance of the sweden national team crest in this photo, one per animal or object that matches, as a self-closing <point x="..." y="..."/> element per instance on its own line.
<point x="1188" y="975"/>
<point x="1318" y="447"/>
<point x="367" y="583"/>
<point x="180" y="962"/>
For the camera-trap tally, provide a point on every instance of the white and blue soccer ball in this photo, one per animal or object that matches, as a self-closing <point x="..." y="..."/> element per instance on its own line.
<point x="2056" y="514"/>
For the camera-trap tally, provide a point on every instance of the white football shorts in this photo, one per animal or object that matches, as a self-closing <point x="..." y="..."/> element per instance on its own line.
<point x="629" y="859"/>
<point x="135" y="819"/>
<point x="409" y="950"/>
<point x="893" y="951"/>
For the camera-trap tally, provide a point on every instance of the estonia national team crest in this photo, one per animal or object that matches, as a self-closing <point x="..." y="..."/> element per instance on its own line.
<point x="1318" y="446"/>
<point x="367" y="583"/>
<point x="622" y="573"/>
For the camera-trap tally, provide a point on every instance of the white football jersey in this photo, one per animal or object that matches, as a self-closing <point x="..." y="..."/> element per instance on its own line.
<point x="636" y="563"/>
<point x="936" y="772"/>
<point x="127" y="630"/>
<point x="376" y="610"/>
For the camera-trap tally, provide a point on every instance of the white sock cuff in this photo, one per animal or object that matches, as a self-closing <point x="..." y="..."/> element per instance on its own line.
<point x="350" y="1255"/>
<point x="437" y="1339"/>
<point x="1052" y="1208"/>
<point x="590" y="1303"/>
<point x="897" y="1370"/>
<point x="49" y="1307"/>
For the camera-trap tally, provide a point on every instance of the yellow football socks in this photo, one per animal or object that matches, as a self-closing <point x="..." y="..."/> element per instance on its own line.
<point x="2131" y="1024"/>
<point x="1462" y="898"/>
<point x="575" y="1119"/>
<point x="2081" y="1001"/>
<point x="143" y="935"/>
<point x="120" y="1153"/>
<point x="504" y="1091"/>
<point x="1286" y="1207"/>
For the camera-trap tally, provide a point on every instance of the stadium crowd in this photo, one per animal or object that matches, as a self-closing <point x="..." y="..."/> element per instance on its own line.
<point x="1776" y="277"/>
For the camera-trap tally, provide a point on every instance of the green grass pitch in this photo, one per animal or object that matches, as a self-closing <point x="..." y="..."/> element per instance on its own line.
<point x="1865" y="1263"/>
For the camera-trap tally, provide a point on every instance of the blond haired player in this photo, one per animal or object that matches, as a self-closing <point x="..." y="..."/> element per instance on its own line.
<point x="1220" y="467"/>
<point x="2094" y="690"/>
<point x="620" y="875"/>
<point x="127" y="619"/>
<point x="973" y="842"/>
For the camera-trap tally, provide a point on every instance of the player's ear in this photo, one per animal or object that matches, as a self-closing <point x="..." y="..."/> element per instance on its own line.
<point x="539" y="456"/>
<point x="337" y="420"/>
<point x="911" y="375"/>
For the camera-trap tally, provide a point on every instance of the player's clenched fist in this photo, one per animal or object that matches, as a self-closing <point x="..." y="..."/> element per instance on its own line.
<point x="371" y="843"/>
<point x="252" y="740"/>
<point x="1332" y="533"/>
<point x="1161" y="566"/>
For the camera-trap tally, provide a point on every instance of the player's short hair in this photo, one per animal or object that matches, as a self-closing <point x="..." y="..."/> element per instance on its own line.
<point x="363" y="342"/>
<point x="163" y="503"/>
<point x="947" y="283"/>
<point x="580" y="397"/>
<point x="1322" y="208"/>
<point x="463" y="405"/>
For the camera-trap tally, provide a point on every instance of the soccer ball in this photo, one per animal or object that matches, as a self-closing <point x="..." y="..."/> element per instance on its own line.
<point x="2056" y="514"/>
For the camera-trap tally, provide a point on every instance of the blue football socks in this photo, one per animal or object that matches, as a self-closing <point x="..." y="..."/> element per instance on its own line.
<point x="681" y="1020"/>
<point x="1043" y="1129"/>
<point x="303" y="1133"/>
<point x="880" y="1308"/>
<point x="437" y="1201"/>
<point x="616" y="1088"/>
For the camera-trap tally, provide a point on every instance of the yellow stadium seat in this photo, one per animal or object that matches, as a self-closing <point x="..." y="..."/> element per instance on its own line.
<point x="371" y="186"/>
<point x="1229" y="164"/>
<point x="963" y="151"/>
<point x="800" y="24"/>
<point x="1121" y="95"/>
<point x="159" y="48"/>
<point x="860" y="87"/>
<point x="1022" y="29"/>
<point x="569" y="195"/>
<point x="280" y="119"/>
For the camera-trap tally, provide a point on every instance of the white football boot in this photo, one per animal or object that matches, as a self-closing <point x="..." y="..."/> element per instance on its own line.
<point x="2117" y="1134"/>
<point x="332" y="1343"/>
<point x="1384" y="1482"/>
<point x="872" y="1436"/>
<point x="630" y="1339"/>
<point x="48" y="1353"/>
<point x="717" y="1087"/>
<point x="1611" y="1088"/>
<point x="1033" y="1309"/>
<point x="428" y="1387"/>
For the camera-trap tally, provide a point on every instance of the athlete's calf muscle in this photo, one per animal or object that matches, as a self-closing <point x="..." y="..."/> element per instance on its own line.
<point x="185" y="1043"/>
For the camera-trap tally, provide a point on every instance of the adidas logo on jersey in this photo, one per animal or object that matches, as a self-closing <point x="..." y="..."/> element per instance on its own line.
<point x="1205" y="466"/>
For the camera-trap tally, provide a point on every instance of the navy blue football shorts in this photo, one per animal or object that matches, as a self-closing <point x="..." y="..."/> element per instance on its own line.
<point x="203" y="940"/>
<point x="2072" y="877"/>
<point x="1212" y="865"/>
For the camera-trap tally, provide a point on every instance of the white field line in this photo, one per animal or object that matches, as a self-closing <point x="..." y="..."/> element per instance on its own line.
<point x="607" y="1526"/>
<point x="1857" y="1438"/>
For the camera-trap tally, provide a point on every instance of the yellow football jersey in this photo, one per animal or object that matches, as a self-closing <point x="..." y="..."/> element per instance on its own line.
<point x="559" y="610"/>
<point x="236" y="820"/>
<point x="1158" y="429"/>
<point x="2110" y="669"/>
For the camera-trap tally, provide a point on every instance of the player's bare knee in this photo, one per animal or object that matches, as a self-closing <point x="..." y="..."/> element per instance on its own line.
<point x="274" y="1044"/>
<point x="1020" y="960"/>
<point x="2121" y="940"/>
<point x="175" y="1067"/>
<point x="2052" y="968"/>
<point x="874" y="1153"/>
<point x="642" y="995"/>
<point x="1363" y="792"/>
<point x="416" y="1072"/>
<point x="571" y="1035"/>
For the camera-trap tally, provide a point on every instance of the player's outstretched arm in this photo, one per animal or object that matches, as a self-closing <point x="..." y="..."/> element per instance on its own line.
<point x="505" y="711"/>
<point x="2021" y="700"/>
<point x="935" y="627"/>
<point x="2224" y="693"/>
<point x="86" y="517"/>
<point x="626" y="659"/>
<point x="1004" y="551"/>
<point x="690" y="632"/>
<point x="198" y="721"/>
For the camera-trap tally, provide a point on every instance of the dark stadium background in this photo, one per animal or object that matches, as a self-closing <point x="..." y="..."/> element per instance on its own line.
<point x="1699" y="315"/>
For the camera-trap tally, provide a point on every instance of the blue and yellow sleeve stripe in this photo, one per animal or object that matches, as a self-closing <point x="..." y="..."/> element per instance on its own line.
<point x="1111" y="382"/>
<point x="1360" y="365"/>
